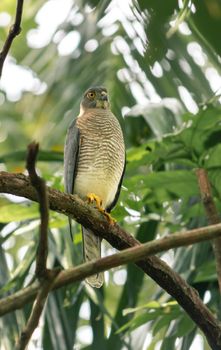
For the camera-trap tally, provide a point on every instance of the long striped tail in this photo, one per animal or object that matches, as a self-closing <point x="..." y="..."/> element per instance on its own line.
<point x="92" y="251"/>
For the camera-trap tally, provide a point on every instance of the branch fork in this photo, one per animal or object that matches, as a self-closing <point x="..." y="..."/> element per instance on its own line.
<point x="45" y="276"/>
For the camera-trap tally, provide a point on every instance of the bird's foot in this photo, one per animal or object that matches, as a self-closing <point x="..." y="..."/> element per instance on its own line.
<point x="111" y="220"/>
<point x="91" y="197"/>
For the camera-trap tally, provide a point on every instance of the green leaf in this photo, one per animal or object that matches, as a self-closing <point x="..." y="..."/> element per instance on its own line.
<point x="206" y="273"/>
<point x="166" y="185"/>
<point x="211" y="157"/>
<point x="154" y="310"/>
<point x="19" y="212"/>
<point x="139" y="321"/>
<point x="151" y="305"/>
<point x="162" y="322"/>
<point x="185" y="326"/>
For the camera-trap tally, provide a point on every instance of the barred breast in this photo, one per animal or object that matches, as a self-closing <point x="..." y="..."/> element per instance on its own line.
<point x="101" y="155"/>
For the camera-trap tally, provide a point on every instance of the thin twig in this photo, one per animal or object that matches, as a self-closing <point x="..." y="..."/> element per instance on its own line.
<point x="36" y="312"/>
<point x="48" y="277"/>
<point x="158" y="270"/>
<point x="212" y="216"/>
<point x="13" y="32"/>
<point x="40" y="187"/>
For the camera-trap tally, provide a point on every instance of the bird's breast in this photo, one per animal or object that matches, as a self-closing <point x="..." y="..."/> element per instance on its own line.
<point x="101" y="156"/>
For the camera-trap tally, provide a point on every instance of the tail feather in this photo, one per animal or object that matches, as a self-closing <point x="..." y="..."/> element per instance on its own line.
<point x="92" y="251"/>
<point x="70" y="227"/>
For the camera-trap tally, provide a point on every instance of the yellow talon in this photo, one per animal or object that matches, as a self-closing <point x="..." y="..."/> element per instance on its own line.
<point x="94" y="198"/>
<point x="108" y="216"/>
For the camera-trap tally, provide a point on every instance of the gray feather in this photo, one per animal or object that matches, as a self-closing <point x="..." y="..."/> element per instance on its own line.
<point x="70" y="156"/>
<point x="92" y="251"/>
<point x="71" y="150"/>
<point x="112" y="205"/>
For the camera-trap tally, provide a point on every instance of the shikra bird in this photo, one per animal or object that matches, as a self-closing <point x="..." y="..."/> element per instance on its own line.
<point x="94" y="163"/>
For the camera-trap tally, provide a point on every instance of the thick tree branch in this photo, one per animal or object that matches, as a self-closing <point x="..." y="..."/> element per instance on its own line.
<point x="13" y="32"/>
<point x="39" y="184"/>
<point x="158" y="270"/>
<point x="212" y="216"/>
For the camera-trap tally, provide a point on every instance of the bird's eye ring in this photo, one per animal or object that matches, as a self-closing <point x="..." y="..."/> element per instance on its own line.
<point x="91" y="95"/>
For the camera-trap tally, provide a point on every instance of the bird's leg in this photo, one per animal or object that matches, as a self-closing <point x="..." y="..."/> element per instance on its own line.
<point x="109" y="217"/>
<point x="91" y="197"/>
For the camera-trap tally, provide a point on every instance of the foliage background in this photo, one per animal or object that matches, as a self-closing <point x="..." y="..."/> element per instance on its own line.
<point x="161" y="64"/>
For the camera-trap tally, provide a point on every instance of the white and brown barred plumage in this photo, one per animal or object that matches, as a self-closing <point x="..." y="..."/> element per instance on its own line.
<point x="94" y="162"/>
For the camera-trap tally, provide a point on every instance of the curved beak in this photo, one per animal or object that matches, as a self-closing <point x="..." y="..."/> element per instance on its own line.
<point x="104" y="98"/>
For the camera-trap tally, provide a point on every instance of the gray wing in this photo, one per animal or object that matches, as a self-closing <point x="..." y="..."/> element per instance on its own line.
<point x="112" y="205"/>
<point x="71" y="151"/>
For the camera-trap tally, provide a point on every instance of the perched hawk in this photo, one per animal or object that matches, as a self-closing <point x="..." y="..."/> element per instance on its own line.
<point x="94" y="163"/>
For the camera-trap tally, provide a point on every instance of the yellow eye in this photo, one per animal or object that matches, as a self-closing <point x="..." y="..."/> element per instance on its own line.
<point x="91" y="95"/>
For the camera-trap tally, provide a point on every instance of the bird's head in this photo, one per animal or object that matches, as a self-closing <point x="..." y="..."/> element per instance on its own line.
<point x="95" y="97"/>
